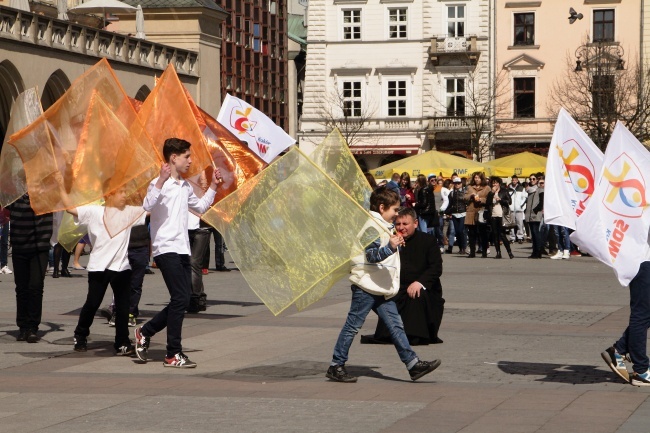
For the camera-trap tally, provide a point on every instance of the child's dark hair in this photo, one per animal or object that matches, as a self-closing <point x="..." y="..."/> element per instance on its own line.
<point x="174" y="146"/>
<point x="385" y="196"/>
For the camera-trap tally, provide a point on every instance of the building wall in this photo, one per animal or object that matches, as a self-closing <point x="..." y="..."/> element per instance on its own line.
<point x="375" y="60"/>
<point x="550" y="59"/>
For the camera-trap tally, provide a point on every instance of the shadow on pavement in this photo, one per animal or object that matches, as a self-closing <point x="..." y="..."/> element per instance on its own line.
<point x="560" y="373"/>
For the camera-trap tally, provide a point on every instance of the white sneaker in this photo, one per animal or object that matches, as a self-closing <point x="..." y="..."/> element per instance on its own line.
<point x="557" y="256"/>
<point x="566" y="254"/>
<point x="6" y="270"/>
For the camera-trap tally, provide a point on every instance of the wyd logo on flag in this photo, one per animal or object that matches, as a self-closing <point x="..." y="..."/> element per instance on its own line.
<point x="239" y="119"/>
<point x="626" y="193"/>
<point x="580" y="170"/>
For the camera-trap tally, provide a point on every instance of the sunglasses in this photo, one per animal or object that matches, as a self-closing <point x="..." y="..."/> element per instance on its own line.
<point x="541" y="183"/>
<point x="533" y="178"/>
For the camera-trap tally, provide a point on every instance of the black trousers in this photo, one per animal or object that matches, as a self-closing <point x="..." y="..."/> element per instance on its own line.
<point x="200" y="246"/>
<point x="177" y="273"/>
<point x="97" y="284"/>
<point x="29" y="276"/>
<point x="138" y="259"/>
<point x="499" y="233"/>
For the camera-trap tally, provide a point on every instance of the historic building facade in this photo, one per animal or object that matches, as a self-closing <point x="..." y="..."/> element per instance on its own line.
<point x="392" y="73"/>
<point x="539" y="50"/>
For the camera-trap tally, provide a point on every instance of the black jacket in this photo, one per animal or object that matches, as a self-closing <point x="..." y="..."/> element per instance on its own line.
<point x="456" y="202"/>
<point x="425" y="206"/>
<point x="504" y="200"/>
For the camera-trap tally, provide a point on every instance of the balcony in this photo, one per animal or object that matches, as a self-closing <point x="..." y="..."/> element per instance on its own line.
<point x="450" y="127"/>
<point x="454" y="51"/>
<point x="51" y="33"/>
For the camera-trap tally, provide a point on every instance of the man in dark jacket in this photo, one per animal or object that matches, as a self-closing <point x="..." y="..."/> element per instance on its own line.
<point x="419" y="300"/>
<point x="30" y="241"/>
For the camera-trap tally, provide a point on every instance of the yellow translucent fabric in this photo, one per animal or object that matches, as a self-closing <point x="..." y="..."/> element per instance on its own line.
<point x="91" y="136"/>
<point x="291" y="229"/>
<point x="13" y="184"/>
<point x="169" y="112"/>
<point x="70" y="233"/>
<point x="333" y="156"/>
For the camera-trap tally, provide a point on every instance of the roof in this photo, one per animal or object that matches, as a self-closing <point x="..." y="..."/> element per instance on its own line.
<point x="152" y="4"/>
<point x="296" y="28"/>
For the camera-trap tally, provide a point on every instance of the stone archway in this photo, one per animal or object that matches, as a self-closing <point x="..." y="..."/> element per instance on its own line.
<point x="11" y="85"/>
<point x="55" y="87"/>
<point x="142" y="93"/>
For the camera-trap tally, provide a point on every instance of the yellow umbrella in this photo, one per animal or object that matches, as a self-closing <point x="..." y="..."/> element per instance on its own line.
<point x="438" y="162"/>
<point x="521" y="164"/>
<point x="386" y="171"/>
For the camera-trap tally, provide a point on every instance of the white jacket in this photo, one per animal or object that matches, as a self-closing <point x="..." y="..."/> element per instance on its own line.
<point x="380" y="278"/>
<point x="519" y="198"/>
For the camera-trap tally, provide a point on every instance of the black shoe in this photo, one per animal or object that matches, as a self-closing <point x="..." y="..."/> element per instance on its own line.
<point x="66" y="273"/>
<point x="498" y="256"/>
<point x="55" y="273"/>
<point x="203" y="307"/>
<point x="149" y="272"/>
<point x="422" y="368"/>
<point x="471" y="255"/>
<point x="484" y="255"/>
<point x="222" y="269"/>
<point x="340" y="374"/>
<point x="80" y="344"/>
<point x="31" y="337"/>
<point x="126" y="350"/>
<point x="512" y="256"/>
<point x="192" y="310"/>
<point x="22" y="335"/>
<point x="534" y="256"/>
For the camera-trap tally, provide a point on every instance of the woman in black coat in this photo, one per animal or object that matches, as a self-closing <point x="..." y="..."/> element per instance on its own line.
<point x="497" y="203"/>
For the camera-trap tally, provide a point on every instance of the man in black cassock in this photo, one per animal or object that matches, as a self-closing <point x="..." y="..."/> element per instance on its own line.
<point x="419" y="300"/>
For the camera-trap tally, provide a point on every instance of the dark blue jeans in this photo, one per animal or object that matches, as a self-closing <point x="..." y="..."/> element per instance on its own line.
<point x="138" y="259"/>
<point x="97" y="284"/>
<point x="29" y="276"/>
<point x="362" y="303"/>
<point x="634" y="339"/>
<point x="177" y="273"/>
<point x="459" y="230"/>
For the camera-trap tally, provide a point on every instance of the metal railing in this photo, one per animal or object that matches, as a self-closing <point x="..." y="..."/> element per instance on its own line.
<point x="27" y="27"/>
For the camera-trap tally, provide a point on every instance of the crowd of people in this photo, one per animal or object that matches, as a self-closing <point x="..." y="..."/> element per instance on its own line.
<point x="470" y="213"/>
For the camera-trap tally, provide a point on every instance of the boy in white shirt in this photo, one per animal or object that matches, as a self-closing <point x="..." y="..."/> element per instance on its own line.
<point x="169" y="199"/>
<point x="108" y="264"/>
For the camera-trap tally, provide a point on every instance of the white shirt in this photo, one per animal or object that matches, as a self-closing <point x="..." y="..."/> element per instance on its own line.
<point x="444" y="193"/>
<point x="109" y="253"/>
<point x="169" y="209"/>
<point x="192" y="221"/>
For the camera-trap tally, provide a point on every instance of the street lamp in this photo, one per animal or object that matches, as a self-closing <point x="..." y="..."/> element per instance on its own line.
<point x="602" y="61"/>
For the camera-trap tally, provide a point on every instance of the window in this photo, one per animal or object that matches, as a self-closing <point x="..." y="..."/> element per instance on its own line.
<point x="524" y="29"/>
<point x="456" y="97"/>
<point x="352" y="24"/>
<point x="456" y="21"/>
<point x="257" y="46"/>
<point x="602" y="94"/>
<point x="524" y="97"/>
<point x="604" y="25"/>
<point x="351" y="98"/>
<point x="397" y="23"/>
<point x="396" y="98"/>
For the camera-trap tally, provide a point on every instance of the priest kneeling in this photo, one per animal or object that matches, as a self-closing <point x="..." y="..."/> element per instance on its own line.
<point x="419" y="300"/>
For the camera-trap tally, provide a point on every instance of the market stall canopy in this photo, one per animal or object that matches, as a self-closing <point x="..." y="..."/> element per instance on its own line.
<point x="103" y="6"/>
<point x="386" y="170"/>
<point x="522" y="164"/>
<point x="438" y="163"/>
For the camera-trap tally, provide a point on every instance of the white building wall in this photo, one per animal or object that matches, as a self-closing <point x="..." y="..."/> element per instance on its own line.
<point x="376" y="59"/>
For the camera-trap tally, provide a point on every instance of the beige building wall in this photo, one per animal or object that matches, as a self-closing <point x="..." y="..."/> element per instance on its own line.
<point x="551" y="57"/>
<point x="192" y="29"/>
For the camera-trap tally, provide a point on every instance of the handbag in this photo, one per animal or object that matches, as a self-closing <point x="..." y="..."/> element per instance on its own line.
<point x="508" y="220"/>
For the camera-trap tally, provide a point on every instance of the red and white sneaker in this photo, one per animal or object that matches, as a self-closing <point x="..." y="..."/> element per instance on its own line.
<point x="180" y="360"/>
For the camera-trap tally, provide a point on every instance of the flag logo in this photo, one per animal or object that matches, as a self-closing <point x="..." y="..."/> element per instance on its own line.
<point x="626" y="192"/>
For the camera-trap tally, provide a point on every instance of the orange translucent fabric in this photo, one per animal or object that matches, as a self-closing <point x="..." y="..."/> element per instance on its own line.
<point x="13" y="183"/>
<point x="92" y="136"/>
<point x="168" y="112"/>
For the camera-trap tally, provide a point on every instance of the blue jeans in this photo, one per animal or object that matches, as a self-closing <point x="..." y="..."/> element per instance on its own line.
<point x="362" y="303"/>
<point x="536" y="237"/>
<point x="177" y="273"/>
<point x="459" y="230"/>
<point x="562" y="236"/>
<point x="633" y="340"/>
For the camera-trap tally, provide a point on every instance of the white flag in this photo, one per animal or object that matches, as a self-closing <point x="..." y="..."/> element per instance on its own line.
<point x="252" y="126"/>
<point x="614" y="226"/>
<point x="573" y="163"/>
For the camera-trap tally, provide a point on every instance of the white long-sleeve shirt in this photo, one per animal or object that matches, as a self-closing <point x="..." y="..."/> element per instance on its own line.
<point x="444" y="193"/>
<point x="169" y="208"/>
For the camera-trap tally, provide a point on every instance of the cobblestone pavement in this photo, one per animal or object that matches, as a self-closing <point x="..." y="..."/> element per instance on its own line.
<point x="521" y="353"/>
